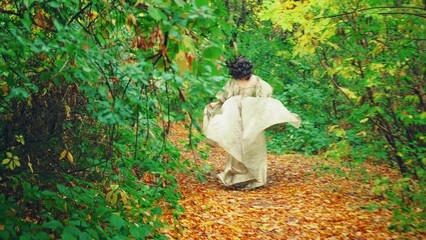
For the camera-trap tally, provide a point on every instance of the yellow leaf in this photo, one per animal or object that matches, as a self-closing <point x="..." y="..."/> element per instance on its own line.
<point x="239" y="230"/>
<point x="188" y="43"/>
<point x="208" y="223"/>
<point x="331" y="128"/>
<point x="114" y="187"/>
<point x="109" y="194"/>
<point x="111" y="197"/>
<point x="131" y="20"/>
<point x="340" y="132"/>
<point x="348" y="93"/>
<point x="114" y="199"/>
<point x="123" y="197"/>
<point x="16" y="161"/>
<point x="30" y="165"/>
<point x="138" y="2"/>
<point x="182" y="62"/>
<point x="362" y="133"/>
<point x="20" y="139"/>
<point x="12" y="165"/>
<point x="5" y="161"/>
<point x="364" y="120"/>
<point x="63" y="154"/>
<point x="70" y="158"/>
<point x="67" y="111"/>
<point x="423" y="115"/>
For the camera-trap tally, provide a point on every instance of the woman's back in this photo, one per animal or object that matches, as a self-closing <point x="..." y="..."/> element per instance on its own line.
<point x="254" y="87"/>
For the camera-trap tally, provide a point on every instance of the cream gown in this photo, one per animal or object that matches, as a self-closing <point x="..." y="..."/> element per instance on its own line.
<point x="238" y="127"/>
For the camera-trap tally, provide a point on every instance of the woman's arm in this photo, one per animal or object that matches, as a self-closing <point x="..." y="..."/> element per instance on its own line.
<point x="223" y="95"/>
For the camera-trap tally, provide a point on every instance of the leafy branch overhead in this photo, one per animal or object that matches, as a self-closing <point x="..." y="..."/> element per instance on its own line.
<point x="370" y="55"/>
<point x="376" y="70"/>
<point x="98" y="84"/>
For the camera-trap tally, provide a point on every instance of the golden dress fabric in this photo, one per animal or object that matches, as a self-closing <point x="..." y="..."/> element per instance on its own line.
<point x="238" y="127"/>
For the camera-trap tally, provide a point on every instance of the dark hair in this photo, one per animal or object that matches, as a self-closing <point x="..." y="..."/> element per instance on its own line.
<point x="240" y="68"/>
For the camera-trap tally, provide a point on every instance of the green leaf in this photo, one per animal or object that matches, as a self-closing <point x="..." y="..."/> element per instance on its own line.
<point x="16" y="161"/>
<point x="372" y="207"/>
<point x="103" y="42"/>
<point x="212" y="52"/>
<point x="176" y="34"/>
<point x="156" y="211"/>
<point x="180" y="3"/>
<point x="117" y="221"/>
<point x="19" y="92"/>
<point x="201" y="3"/>
<point x="101" y="211"/>
<point x="61" y="188"/>
<point x="140" y="232"/>
<point x="12" y="165"/>
<point x="6" y="161"/>
<point x="68" y="236"/>
<point x="70" y="233"/>
<point x="156" y="13"/>
<point x="49" y="194"/>
<point x="28" y="3"/>
<point x="54" y="4"/>
<point x="58" y="25"/>
<point x="54" y="224"/>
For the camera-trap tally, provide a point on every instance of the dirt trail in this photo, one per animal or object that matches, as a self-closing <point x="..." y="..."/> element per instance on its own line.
<point x="299" y="203"/>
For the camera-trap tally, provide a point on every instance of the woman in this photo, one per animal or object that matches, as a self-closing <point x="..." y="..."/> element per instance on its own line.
<point x="237" y="123"/>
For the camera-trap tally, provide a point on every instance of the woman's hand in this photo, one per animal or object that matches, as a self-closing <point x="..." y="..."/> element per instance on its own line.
<point x="297" y="117"/>
<point x="213" y="104"/>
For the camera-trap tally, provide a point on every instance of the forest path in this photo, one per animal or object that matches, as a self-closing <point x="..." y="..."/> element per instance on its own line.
<point x="299" y="202"/>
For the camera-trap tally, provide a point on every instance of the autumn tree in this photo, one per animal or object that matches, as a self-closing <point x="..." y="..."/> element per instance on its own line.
<point x="372" y="55"/>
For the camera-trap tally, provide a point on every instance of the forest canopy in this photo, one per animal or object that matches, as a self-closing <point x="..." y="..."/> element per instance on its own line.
<point x="91" y="88"/>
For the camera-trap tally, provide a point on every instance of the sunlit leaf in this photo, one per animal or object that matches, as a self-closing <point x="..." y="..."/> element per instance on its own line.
<point x="16" y="161"/>
<point x="69" y="157"/>
<point x="63" y="154"/>
<point x="6" y="161"/>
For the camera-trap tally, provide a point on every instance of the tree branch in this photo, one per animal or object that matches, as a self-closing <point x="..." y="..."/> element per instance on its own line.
<point x="106" y="81"/>
<point x="78" y="13"/>
<point x="10" y="12"/>
<point x="395" y="13"/>
<point x="373" y="8"/>
<point x="333" y="79"/>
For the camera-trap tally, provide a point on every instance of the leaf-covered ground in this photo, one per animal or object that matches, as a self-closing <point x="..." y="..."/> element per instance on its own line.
<point x="306" y="198"/>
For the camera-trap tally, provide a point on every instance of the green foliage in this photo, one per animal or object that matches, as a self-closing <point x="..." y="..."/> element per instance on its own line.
<point x="293" y="85"/>
<point x="367" y="58"/>
<point x="406" y="199"/>
<point x="89" y="90"/>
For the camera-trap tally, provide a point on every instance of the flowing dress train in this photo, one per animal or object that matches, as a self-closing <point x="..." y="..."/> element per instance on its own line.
<point x="238" y="127"/>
